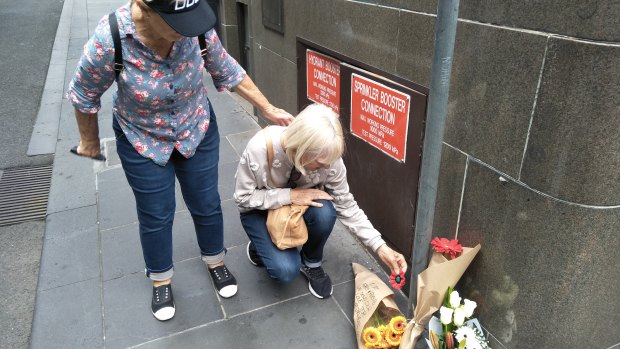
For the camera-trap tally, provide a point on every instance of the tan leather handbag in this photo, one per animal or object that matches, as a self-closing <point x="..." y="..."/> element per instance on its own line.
<point x="286" y="224"/>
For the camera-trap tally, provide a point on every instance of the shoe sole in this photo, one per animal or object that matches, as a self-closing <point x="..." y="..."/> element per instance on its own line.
<point x="164" y="314"/>
<point x="247" y="253"/>
<point x="316" y="294"/>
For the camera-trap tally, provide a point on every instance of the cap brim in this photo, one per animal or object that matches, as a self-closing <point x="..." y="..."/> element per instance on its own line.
<point x="192" y="23"/>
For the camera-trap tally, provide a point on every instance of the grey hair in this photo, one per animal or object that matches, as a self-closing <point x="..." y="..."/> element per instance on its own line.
<point x="315" y="134"/>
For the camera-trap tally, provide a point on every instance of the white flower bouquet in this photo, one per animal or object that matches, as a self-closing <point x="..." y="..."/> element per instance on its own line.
<point x="453" y="330"/>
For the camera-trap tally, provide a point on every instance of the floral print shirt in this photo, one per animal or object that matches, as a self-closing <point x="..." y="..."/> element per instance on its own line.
<point x="258" y="189"/>
<point x="161" y="103"/>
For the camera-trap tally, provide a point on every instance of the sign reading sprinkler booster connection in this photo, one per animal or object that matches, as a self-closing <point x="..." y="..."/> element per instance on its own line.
<point x="380" y="116"/>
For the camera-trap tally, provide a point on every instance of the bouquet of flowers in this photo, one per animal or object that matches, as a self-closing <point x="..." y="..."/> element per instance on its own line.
<point x="448" y="263"/>
<point x="447" y="247"/>
<point x="455" y="332"/>
<point x="378" y="321"/>
<point x="385" y="328"/>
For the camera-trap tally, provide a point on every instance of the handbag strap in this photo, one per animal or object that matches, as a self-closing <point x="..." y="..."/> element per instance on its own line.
<point x="270" y="155"/>
<point x="269" y="151"/>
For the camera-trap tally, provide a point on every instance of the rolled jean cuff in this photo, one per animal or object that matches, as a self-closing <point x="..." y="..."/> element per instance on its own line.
<point x="309" y="264"/>
<point x="215" y="259"/>
<point x="163" y="276"/>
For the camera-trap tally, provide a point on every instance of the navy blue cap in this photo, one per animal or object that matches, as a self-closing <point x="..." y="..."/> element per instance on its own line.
<point x="186" y="17"/>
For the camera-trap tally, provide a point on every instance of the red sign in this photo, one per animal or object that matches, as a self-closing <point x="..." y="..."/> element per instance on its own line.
<point x="323" y="79"/>
<point x="380" y="116"/>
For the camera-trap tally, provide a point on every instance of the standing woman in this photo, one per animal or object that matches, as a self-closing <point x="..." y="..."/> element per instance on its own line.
<point x="165" y="126"/>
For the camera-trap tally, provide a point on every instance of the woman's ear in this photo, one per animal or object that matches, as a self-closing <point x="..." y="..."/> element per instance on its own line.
<point x="146" y="11"/>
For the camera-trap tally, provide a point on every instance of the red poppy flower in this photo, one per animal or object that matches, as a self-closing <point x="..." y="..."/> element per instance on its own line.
<point x="451" y="247"/>
<point x="397" y="280"/>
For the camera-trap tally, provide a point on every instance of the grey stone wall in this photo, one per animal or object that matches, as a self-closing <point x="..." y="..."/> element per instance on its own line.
<point x="531" y="159"/>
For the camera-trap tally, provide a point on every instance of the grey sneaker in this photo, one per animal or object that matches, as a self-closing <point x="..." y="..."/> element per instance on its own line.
<point x="319" y="283"/>
<point x="162" y="303"/>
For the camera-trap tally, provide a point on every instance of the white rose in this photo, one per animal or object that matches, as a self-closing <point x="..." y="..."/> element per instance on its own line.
<point x="445" y="315"/>
<point x="459" y="316"/>
<point x="469" y="307"/>
<point x="455" y="300"/>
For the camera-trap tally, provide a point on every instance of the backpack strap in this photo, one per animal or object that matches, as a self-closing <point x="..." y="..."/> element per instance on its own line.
<point x="118" y="48"/>
<point x="203" y="46"/>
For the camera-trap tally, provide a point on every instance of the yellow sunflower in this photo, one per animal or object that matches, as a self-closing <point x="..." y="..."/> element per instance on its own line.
<point x="392" y="338"/>
<point x="371" y="336"/>
<point x="398" y="324"/>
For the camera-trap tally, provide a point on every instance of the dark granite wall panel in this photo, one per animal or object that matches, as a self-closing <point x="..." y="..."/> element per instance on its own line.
<point x="364" y="32"/>
<point x="574" y="147"/>
<point x="494" y="78"/>
<point x="276" y="77"/>
<point x="595" y="20"/>
<point x="284" y="44"/>
<point x="228" y="12"/>
<point x="449" y="189"/>
<point x="548" y="268"/>
<point x="230" y="38"/>
<point x="416" y="41"/>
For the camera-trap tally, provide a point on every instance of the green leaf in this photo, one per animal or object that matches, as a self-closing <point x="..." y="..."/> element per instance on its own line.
<point x="446" y="300"/>
<point x="462" y="344"/>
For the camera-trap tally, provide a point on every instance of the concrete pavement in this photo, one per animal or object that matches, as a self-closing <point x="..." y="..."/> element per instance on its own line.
<point x="92" y="292"/>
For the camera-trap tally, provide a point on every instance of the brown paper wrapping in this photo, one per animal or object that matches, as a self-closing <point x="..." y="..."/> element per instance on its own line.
<point x="433" y="284"/>
<point x="370" y="292"/>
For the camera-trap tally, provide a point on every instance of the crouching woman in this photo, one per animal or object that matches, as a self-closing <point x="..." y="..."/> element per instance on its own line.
<point x="307" y="169"/>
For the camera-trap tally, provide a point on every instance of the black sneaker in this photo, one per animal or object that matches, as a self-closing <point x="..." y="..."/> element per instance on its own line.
<point x="319" y="283"/>
<point x="224" y="281"/>
<point x="162" y="304"/>
<point x="253" y="255"/>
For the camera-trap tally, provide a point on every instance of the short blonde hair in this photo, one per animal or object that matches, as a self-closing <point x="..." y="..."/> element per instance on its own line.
<point x="315" y="134"/>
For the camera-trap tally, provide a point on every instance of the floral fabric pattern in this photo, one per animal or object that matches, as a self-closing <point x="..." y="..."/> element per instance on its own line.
<point x="161" y="103"/>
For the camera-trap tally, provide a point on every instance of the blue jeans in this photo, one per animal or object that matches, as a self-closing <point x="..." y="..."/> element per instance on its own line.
<point x="283" y="265"/>
<point x="153" y="187"/>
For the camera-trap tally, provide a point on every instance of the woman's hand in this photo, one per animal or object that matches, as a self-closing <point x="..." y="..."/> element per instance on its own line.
<point x="248" y="90"/>
<point x="306" y="197"/>
<point x="276" y="115"/>
<point x="90" y="149"/>
<point x="394" y="260"/>
<point x="89" y="136"/>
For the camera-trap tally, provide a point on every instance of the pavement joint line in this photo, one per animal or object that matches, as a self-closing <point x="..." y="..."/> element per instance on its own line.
<point x="101" y="277"/>
<point x="342" y="311"/>
<point x="64" y="285"/>
<point x="171" y="335"/>
<point x="119" y="226"/>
